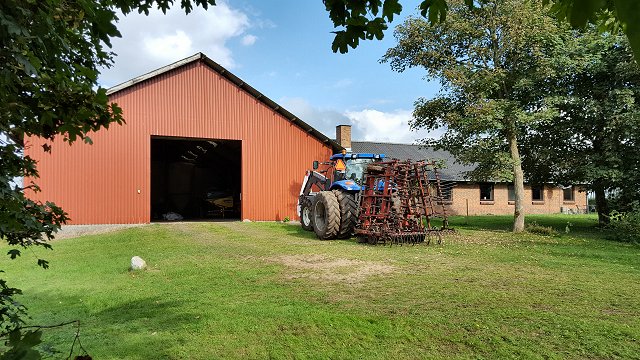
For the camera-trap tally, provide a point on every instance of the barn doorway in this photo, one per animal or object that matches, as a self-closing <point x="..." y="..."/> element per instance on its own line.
<point x="195" y="179"/>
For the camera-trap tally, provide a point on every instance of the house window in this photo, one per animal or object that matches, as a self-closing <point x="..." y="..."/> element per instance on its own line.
<point x="486" y="192"/>
<point x="511" y="190"/>
<point x="447" y="193"/>
<point x="567" y="194"/>
<point x="537" y="193"/>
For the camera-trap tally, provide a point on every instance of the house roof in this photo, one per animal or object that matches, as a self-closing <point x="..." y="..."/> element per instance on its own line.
<point x="237" y="82"/>
<point x="452" y="171"/>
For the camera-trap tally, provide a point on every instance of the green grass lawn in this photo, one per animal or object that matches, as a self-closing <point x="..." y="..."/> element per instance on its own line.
<point x="268" y="290"/>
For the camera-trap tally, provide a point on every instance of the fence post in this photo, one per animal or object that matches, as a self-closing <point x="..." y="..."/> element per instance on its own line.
<point x="467" y="219"/>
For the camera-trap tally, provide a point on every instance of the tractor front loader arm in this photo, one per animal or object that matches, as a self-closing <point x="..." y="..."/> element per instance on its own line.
<point x="313" y="178"/>
<point x="310" y="179"/>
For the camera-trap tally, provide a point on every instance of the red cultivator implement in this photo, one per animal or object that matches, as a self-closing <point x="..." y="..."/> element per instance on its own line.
<point x="398" y="201"/>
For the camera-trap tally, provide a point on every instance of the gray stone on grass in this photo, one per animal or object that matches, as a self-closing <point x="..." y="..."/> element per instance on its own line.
<point x="137" y="263"/>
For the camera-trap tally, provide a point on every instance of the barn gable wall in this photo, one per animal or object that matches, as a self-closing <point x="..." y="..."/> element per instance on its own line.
<point x="109" y="181"/>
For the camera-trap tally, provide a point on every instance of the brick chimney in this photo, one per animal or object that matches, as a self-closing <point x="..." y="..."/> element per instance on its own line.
<point x="343" y="136"/>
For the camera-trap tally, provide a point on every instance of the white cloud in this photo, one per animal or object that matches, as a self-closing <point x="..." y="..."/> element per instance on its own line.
<point x="152" y="41"/>
<point x="367" y="124"/>
<point x="249" y="40"/>
<point x="375" y="125"/>
<point x="169" y="46"/>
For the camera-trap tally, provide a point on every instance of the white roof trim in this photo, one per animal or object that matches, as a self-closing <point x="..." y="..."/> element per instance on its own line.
<point x="154" y="73"/>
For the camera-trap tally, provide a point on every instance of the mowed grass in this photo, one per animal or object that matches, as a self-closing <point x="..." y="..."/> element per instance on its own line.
<point x="269" y="290"/>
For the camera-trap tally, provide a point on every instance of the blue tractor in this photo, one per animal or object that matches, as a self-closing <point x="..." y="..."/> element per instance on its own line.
<point x="327" y="204"/>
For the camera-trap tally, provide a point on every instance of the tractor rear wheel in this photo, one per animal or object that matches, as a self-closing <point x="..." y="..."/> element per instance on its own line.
<point x="326" y="215"/>
<point x="348" y="213"/>
<point x="306" y="214"/>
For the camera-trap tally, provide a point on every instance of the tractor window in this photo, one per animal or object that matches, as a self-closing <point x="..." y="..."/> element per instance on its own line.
<point x="355" y="169"/>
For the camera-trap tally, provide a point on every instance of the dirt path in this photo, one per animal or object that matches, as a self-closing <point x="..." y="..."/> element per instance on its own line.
<point x="72" y="231"/>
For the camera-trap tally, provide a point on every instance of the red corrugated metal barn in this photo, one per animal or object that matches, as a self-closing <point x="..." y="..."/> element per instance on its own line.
<point x="198" y="142"/>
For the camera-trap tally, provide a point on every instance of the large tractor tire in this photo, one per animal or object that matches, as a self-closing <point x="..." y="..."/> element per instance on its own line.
<point x="326" y="215"/>
<point x="348" y="213"/>
<point x="306" y="214"/>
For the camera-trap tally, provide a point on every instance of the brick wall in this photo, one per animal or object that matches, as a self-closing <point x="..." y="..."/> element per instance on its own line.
<point x="469" y="193"/>
<point x="343" y="136"/>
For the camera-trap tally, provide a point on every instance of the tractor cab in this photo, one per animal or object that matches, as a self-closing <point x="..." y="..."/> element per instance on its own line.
<point x="352" y="166"/>
<point x="346" y="170"/>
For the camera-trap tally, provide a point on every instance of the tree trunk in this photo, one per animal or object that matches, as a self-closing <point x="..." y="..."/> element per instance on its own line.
<point x="518" y="184"/>
<point x="602" y="206"/>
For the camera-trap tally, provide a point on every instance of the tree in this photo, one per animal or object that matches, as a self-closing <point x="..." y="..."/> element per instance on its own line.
<point x="592" y="136"/>
<point x="487" y="59"/>
<point x="51" y="53"/>
<point x="367" y="19"/>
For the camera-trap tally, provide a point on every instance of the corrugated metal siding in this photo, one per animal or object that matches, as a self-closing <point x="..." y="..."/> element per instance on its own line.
<point x="99" y="183"/>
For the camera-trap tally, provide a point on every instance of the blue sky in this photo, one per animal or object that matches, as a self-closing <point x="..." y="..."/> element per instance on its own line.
<point x="283" y="49"/>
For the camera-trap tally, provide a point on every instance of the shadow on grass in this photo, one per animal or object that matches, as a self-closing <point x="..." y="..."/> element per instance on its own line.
<point x="142" y="327"/>
<point x="577" y="224"/>
<point x="299" y="232"/>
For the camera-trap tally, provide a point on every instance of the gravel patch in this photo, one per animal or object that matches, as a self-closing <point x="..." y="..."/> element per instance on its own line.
<point x="72" y="231"/>
<point x="320" y="267"/>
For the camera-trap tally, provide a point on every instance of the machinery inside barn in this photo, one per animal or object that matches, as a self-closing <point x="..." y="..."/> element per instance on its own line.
<point x="195" y="178"/>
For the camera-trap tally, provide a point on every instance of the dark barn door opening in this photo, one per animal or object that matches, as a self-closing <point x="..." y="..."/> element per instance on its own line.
<point x="195" y="179"/>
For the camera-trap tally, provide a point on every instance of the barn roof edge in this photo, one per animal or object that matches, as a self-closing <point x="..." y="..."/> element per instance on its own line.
<point x="237" y="82"/>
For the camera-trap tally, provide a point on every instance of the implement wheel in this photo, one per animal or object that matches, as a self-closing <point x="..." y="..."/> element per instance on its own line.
<point x="326" y="215"/>
<point x="306" y="215"/>
<point x="348" y="213"/>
